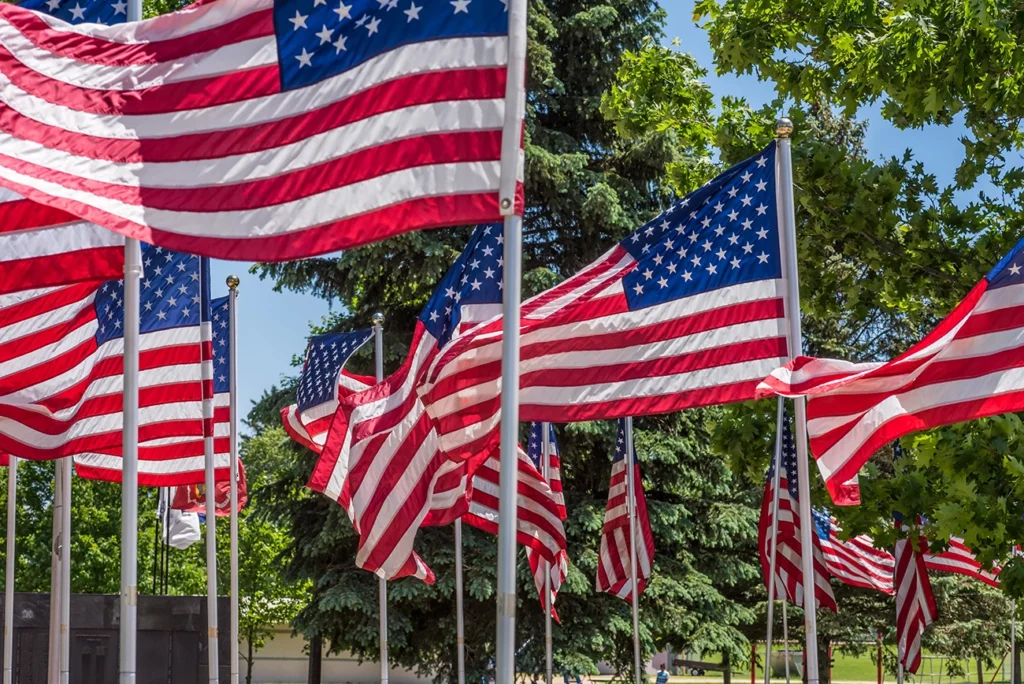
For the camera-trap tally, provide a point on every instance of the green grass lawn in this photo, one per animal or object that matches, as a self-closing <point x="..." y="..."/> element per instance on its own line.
<point x="848" y="668"/>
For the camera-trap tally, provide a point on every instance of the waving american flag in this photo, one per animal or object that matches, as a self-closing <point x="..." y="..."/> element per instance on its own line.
<point x="382" y="460"/>
<point x="42" y="246"/>
<point x="789" y="579"/>
<point x="915" y="603"/>
<point x="324" y="380"/>
<point x="853" y="561"/>
<point x="258" y="129"/>
<point x="968" y="367"/>
<point x="613" y="565"/>
<point x="687" y="311"/>
<point x="60" y="368"/>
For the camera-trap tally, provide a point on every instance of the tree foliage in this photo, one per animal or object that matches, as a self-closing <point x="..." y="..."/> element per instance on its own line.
<point x="590" y="181"/>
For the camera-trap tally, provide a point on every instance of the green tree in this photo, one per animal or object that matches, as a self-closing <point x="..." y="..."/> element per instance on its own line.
<point x="589" y="183"/>
<point x="927" y="62"/>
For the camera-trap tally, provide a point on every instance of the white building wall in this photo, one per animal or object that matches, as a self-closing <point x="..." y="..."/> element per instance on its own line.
<point x="284" y="661"/>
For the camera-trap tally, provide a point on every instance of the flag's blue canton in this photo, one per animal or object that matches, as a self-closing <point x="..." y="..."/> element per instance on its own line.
<point x="221" y="326"/>
<point x="1009" y="270"/>
<point x="107" y="12"/>
<point x="474" y="278"/>
<point x="788" y="459"/>
<point x="822" y="523"/>
<point x="170" y="295"/>
<point x="620" y="442"/>
<point x="325" y="357"/>
<point x="725" y="233"/>
<point x="535" y="447"/>
<point x="317" y="39"/>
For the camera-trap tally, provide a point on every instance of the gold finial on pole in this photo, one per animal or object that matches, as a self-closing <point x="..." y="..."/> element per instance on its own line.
<point x="232" y="282"/>
<point x="784" y="127"/>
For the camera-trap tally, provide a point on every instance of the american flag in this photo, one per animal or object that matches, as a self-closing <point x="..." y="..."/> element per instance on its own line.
<point x="192" y="497"/>
<point x="960" y="560"/>
<point x="381" y="460"/>
<point x="260" y="129"/>
<point x="42" y="246"/>
<point x="613" y="566"/>
<point x="853" y="561"/>
<point x="61" y="370"/>
<point x="539" y="567"/>
<point x="915" y="603"/>
<point x="324" y="380"/>
<point x="687" y="311"/>
<point x="39" y="249"/>
<point x="539" y="517"/>
<point x="789" y="579"/>
<point x="968" y="367"/>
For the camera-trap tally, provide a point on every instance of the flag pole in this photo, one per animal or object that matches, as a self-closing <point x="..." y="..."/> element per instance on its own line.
<point x="12" y="496"/>
<point x="899" y="661"/>
<point x="511" y="155"/>
<point x="785" y="638"/>
<point x="130" y="446"/>
<point x="777" y="458"/>
<point x="53" y="640"/>
<point x="65" y="573"/>
<point x="787" y="225"/>
<point x="460" y="627"/>
<point x="206" y="344"/>
<point x="378" y="339"/>
<point x="1013" y="646"/>
<point x="232" y="283"/>
<point x="631" y="506"/>
<point x="545" y="442"/>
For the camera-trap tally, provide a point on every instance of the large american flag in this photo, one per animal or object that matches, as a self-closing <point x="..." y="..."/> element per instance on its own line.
<point x="789" y="578"/>
<point x="323" y="380"/>
<point x="613" y="562"/>
<point x="259" y="129"/>
<point x="41" y="249"/>
<point x="381" y="461"/>
<point x="61" y="367"/>
<point x="687" y="311"/>
<point x="915" y="603"/>
<point x="970" y="366"/>
<point x="42" y="246"/>
<point x="382" y="437"/>
<point x="853" y="561"/>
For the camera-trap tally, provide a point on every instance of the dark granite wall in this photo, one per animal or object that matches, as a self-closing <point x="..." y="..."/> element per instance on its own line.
<point x="172" y="646"/>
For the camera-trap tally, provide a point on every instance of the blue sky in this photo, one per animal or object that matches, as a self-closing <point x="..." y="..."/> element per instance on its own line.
<point x="273" y="326"/>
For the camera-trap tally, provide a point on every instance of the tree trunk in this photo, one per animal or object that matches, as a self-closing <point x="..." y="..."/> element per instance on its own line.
<point x="824" y="660"/>
<point x="981" y="673"/>
<point x="316" y="647"/>
<point x="248" y="664"/>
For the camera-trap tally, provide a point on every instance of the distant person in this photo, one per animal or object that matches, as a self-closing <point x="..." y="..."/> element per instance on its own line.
<point x="662" y="676"/>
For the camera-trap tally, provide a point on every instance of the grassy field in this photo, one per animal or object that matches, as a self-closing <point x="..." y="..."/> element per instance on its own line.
<point x="863" y="669"/>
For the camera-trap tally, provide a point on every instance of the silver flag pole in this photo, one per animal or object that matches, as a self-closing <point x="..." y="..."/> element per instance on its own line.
<point x="511" y="168"/>
<point x="631" y="511"/>
<point x="378" y="338"/>
<point x="56" y="536"/>
<point x="787" y="228"/>
<point x="460" y="627"/>
<point x="213" y="630"/>
<point x="545" y="443"/>
<point x="232" y="283"/>
<point x="775" y="534"/>
<point x="65" y="573"/>
<point x="130" y="448"/>
<point x="12" y="509"/>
